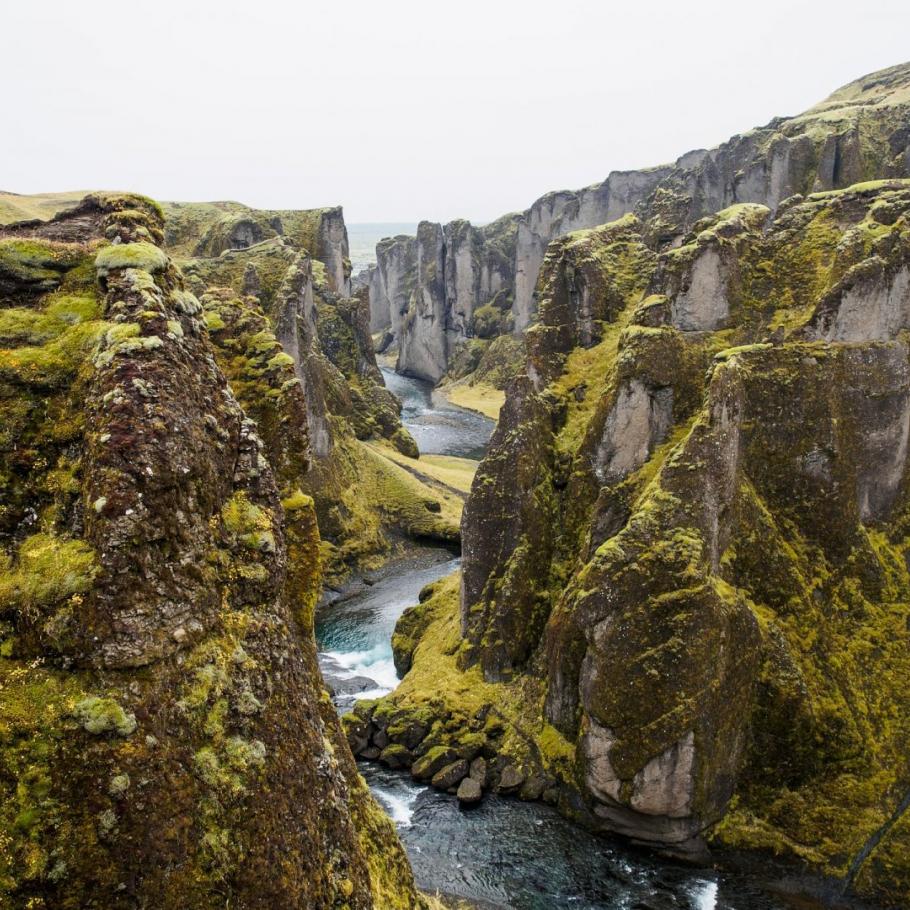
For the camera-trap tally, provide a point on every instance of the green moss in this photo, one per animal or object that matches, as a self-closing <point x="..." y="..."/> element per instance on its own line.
<point x="230" y="767"/>
<point x="100" y="716"/>
<point x="280" y="360"/>
<point x="248" y="522"/>
<point x="48" y="570"/>
<point x="489" y="321"/>
<point x="39" y="263"/>
<point x="29" y="326"/>
<point x="53" y="364"/>
<point x="142" y="255"/>
<point x="297" y="501"/>
<point x="214" y="322"/>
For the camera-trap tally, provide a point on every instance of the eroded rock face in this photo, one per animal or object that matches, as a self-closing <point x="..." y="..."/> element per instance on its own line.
<point x="165" y="725"/>
<point x="857" y="132"/>
<point x="332" y="248"/>
<point x="426" y="290"/>
<point x="561" y="213"/>
<point x="716" y="437"/>
<point x="422" y="344"/>
<point x="507" y="531"/>
<point x="639" y="420"/>
<point x="871" y="303"/>
<point x="392" y="284"/>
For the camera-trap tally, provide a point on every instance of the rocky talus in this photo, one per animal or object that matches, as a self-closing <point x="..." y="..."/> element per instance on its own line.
<point x="165" y="739"/>
<point x="684" y="606"/>
<point x="454" y="287"/>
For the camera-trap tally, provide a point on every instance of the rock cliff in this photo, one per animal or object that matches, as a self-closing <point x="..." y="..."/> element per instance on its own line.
<point x="858" y="133"/>
<point x="208" y="229"/>
<point x="365" y="502"/>
<point x="165" y="739"/>
<point x="683" y="609"/>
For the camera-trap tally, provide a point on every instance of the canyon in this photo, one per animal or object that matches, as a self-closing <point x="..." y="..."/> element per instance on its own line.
<point x="457" y="286"/>
<point x="681" y="614"/>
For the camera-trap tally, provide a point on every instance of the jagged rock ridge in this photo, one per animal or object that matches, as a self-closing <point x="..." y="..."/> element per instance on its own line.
<point x="427" y="291"/>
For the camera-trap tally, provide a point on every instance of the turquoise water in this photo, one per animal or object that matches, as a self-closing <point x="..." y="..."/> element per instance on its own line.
<point x="363" y="238"/>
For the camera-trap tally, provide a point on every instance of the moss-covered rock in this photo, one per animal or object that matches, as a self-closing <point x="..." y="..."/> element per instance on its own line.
<point x="158" y="579"/>
<point x="296" y="351"/>
<point x="684" y="588"/>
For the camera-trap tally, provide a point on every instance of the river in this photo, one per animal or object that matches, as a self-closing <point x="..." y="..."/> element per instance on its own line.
<point x="503" y="853"/>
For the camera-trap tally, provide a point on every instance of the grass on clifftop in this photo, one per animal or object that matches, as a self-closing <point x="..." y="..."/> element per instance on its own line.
<point x="42" y="206"/>
<point x="406" y="499"/>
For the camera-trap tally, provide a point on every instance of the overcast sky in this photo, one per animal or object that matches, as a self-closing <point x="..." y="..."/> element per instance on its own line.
<point x="399" y="109"/>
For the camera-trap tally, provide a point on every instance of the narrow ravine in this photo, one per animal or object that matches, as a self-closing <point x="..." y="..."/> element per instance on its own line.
<point x="503" y="853"/>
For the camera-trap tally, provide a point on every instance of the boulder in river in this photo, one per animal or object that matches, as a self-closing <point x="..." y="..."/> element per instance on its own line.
<point x="396" y="756"/>
<point x="427" y="766"/>
<point x="450" y="775"/>
<point x="510" y="779"/>
<point x="469" y="792"/>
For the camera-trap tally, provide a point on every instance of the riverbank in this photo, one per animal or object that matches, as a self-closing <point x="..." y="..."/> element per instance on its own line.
<point x="478" y="397"/>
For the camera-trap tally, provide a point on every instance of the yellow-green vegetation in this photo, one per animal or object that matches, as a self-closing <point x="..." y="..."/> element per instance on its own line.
<point x="448" y="472"/>
<point x="141" y="255"/>
<point x="208" y="228"/>
<point x="270" y="259"/>
<point x="20" y="326"/>
<point x="29" y="265"/>
<point x="453" y="699"/>
<point x="398" y="498"/>
<point x="475" y="396"/>
<point x="47" y="571"/>
<point x="250" y="524"/>
<point x="37" y="703"/>
<point x="103" y="715"/>
<point x="366" y="500"/>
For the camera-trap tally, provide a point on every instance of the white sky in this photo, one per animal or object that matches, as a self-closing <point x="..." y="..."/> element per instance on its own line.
<point x="402" y="110"/>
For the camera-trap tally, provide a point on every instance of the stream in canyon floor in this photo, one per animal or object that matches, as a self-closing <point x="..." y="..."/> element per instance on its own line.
<point x="503" y="853"/>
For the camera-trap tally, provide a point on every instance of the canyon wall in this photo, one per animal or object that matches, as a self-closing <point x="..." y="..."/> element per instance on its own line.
<point x="364" y="501"/>
<point x="165" y="738"/>
<point x="682" y="614"/>
<point x="858" y="133"/>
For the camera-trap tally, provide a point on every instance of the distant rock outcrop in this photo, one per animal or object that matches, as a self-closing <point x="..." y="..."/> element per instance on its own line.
<point x="858" y="133"/>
